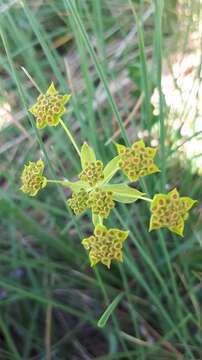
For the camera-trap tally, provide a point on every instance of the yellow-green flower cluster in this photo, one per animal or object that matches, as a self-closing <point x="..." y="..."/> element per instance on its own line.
<point x="49" y="108"/>
<point x="32" y="178"/>
<point x="105" y="245"/>
<point x="93" y="191"/>
<point x="92" y="173"/>
<point x="79" y="201"/>
<point x="137" y="161"/>
<point x="101" y="202"/>
<point x="170" y="211"/>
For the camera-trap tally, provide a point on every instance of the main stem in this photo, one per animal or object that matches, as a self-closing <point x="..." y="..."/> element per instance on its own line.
<point x="70" y="137"/>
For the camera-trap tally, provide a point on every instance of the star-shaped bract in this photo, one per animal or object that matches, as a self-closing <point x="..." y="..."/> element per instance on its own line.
<point x="137" y="161"/>
<point x="49" y="107"/>
<point x="170" y="211"/>
<point x="105" y="245"/>
<point x="32" y="178"/>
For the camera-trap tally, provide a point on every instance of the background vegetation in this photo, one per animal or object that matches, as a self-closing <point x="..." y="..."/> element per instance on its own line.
<point x="134" y="71"/>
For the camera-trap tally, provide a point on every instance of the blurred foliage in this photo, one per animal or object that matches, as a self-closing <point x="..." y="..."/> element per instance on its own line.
<point x="51" y="299"/>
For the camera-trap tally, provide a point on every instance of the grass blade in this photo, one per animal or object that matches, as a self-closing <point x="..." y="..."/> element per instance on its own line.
<point x="110" y="309"/>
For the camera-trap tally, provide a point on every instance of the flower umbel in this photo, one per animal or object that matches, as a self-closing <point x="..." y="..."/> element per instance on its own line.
<point x="170" y="211"/>
<point x="137" y="161"/>
<point x="101" y="202"/>
<point x="32" y="178"/>
<point x="105" y="245"/>
<point x="92" y="173"/>
<point x="49" y="107"/>
<point x="93" y="189"/>
<point x="79" y="201"/>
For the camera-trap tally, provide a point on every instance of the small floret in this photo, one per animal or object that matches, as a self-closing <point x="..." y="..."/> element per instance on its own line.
<point x="101" y="202"/>
<point x="79" y="201"/>
<point x="92" y="173"/>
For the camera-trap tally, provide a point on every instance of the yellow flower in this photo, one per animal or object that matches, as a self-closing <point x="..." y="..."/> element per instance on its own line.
<point x="137" y="161"/>
<point x="79" y="201"/>
<point x="101" y="202"/>
<point x="105" y="245"/>
<point x="32" y="178"/>
<point x="170" y="211"/>
<point x="49" y="107"/>
<point x="92" y="173"/>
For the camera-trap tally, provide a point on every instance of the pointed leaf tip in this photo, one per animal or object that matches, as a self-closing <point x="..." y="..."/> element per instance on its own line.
<point x="110" y="309"/>
<point x="51" y="89"/>
<point x="110" y="169"/>
<point x="87" y="155"/>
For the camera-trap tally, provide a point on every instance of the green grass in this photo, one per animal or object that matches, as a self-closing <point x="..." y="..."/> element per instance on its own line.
<point x="51" y="300"/>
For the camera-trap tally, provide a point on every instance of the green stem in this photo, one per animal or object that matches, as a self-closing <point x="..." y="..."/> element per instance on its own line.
<point x="97" y="219"/>
<point x="61" y="182"/>
<point x="159" y="5"/>
<point x="100" y="219"/>
<point x="144" y="198"/>
<point x="70" y="137"/>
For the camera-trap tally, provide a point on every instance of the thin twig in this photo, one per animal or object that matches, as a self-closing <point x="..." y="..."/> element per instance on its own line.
<point x="31" y="79"/>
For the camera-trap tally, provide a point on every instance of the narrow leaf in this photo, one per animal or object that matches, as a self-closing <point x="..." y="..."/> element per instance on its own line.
<point x="87" y="155"/>
<point x="123" y="193"/>
<point x="77" y="185"/>
<point x="110" y="169"/>
<point x="105" y="316"/>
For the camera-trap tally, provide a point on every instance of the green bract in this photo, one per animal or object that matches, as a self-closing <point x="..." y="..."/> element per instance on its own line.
<point x="123" y="193"/>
